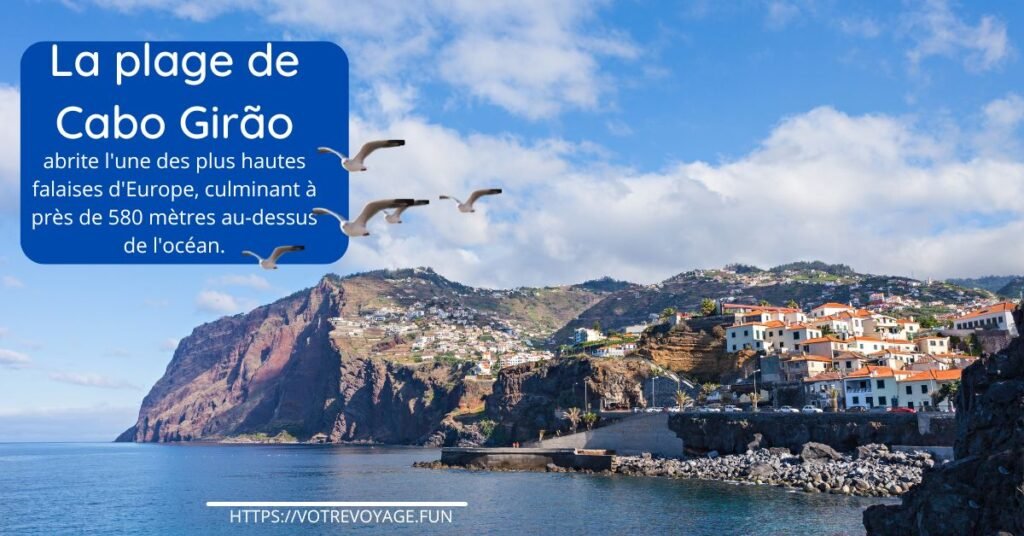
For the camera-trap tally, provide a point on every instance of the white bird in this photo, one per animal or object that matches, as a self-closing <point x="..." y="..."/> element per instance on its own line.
<point x="356" y="163"/>
<point x="468" y="205"/>
<point x="271" y="262"/>
<point x="396" y="215"/>
<point x="357" y="227"/>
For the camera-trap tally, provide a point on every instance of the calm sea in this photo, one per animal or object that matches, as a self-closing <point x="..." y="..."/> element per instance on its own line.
<point x="163" y="489"/>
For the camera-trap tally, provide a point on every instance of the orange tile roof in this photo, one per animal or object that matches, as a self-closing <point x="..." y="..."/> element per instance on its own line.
<point x="937" y="375"/>
<point x="832" y="305"/>
<point x="823" y="339"/>
<point x="867" y="370"/>
<point x="827" y="376"/>
<point x="1001" y="307"/>
<point x="809" y="357"/>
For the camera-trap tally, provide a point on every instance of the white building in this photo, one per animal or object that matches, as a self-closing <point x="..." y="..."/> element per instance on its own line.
<point x="584" y="335"/>
<point x="873" y="387"/>
<point x="916" y="391"/>
<point x="829" y="309"/>
<point x="998" y="316"/>
<point x="932" y="345"/>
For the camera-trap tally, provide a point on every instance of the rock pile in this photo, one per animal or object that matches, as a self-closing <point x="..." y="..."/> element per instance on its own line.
<point x="874" y="471"/>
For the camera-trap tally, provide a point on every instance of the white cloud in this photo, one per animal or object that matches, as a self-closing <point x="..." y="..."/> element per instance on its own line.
<point x="531" y="57"/>
<point x="882" y="193"/>
<point x="10" y="281"/>
<point x="252" y="281"/>
<point x="89" y="379"/>
<point x="10" y="152"/>
<point x="12" y="359"/>
<point x="212" y="301"/>
<point x="862" y="27"/>
<point x="937" y="31"/>
<point x="169" y="345"/>
<point x="1001" y="120"/>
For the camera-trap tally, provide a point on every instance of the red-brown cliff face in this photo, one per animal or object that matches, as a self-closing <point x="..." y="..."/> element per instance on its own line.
<point x="276" y="369"/>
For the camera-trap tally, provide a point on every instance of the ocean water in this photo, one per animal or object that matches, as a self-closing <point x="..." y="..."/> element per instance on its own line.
<point x="163" y="489"/>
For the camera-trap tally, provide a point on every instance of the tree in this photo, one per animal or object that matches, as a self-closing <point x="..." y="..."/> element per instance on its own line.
<point x="683" y="399"/>
<point x="597" y="325"/>
<point x="755" y="397"/>
<point x="706" y="389"/>
<point x="928" y="321"/>
<point x="573" y="416"/>
<point x="667" y="312"/>
<point x="589" y="419"/>
<point x="948" y="391"/>
<point x="826" y="330"/>
<point x="708" y="307"/>
<point x="792" y="304"/>
<point x="833" y="396"/>
<point x="763" y="303"/>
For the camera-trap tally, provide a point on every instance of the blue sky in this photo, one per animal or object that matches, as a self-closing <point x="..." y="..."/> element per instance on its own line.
<point x="632" y="141"/>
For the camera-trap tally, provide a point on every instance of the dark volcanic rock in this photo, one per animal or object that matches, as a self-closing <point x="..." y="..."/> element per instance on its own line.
<point x="818" y="452"/>
<point x="982" y="492"/>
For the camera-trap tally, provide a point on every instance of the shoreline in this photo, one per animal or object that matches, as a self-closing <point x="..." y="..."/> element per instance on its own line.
<point x="872" y="471"/>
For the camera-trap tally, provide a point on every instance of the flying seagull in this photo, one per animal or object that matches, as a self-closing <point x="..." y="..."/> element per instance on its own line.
<point x="271" y="262"/>
<point x="356" y="163"/>
<point x="468" y="205"/>
<point x="396" y="215"/>
<point x="357" y="227"/>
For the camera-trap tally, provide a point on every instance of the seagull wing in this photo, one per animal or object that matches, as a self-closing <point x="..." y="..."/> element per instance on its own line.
<point x="324" y="212"/>
<point x="480" y="193"/>
<point x="372" y="146"/>
<point x="450" y="197"/>
<point x="374" y="207"/>
<point x="419" y="202"/>
<point x="281" y="250"/>
<point x="328" y="150"/>
<point x="251" y="254"/>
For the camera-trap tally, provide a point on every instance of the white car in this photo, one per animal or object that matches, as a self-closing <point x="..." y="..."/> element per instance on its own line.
<point x="788" y="409"/>
<point x="652" y="410"/>
<point x="731" y="409"/>
<point x="810" y="409"/>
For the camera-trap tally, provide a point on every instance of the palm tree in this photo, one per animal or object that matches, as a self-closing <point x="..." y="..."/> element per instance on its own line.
<point x="683" y="399"/>
<point x="589" y="419"/>
<point x="763" y="303"/>
<point x="792" y="304"/>
<point x="755" y="397"/>
<point x="573" y="416"/>
<point x="706" y="389"/>
<point x="833" y="396"/>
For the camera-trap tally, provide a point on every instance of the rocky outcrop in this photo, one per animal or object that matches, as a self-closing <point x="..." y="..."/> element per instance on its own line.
<point x="733" y="433"/>
<point x="982" y="490"/>
<point x="527" y="398"/>
<point x="685" y="349"/>
<point x="276" y="372"/>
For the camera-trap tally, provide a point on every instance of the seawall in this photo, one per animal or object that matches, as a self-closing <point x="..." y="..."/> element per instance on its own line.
<point x="632" y="435"/>
<point x="734" y="433"/>
<point x="525" y="459"/>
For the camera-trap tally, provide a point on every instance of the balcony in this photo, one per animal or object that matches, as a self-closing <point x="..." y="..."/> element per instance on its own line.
<point x="852" y="390"/>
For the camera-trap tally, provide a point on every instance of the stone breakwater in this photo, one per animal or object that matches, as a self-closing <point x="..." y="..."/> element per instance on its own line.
<point x="874" y="470"/>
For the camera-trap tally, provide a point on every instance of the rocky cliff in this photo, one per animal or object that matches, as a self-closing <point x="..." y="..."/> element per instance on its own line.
<point x="695" y="351"/>
<point x="277" y="370"/>
<point x="528" y="398"/>
<point x="982" y="491"/>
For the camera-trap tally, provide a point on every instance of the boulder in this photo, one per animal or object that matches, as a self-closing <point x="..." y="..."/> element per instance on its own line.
<point x="819" y="452"/>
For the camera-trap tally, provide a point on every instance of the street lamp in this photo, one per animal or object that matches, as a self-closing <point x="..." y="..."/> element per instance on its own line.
<point x="757" y="395"/>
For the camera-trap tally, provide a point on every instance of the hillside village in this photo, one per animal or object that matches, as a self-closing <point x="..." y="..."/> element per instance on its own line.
<point x="841" y="338"/>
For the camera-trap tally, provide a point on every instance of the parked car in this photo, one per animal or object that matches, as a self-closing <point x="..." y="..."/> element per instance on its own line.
<point x="788" y="409"/>
<point x="652" y="409"/>
<point x="900" y="409"/>
<point x="731" y="409"/>
<point x="810" y="409"/>
<point x="856" y="409"/>
<point x="709" y="409"/>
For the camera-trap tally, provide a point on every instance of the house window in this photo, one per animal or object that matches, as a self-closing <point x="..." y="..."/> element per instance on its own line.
<point x="796" y="336"/>
<point x="849" y="364"/>
<point x="910" y="390"/>
<point x="746" y="332"/>
<point x="924" y="389"/>
<point x="856" y="400"/>
<point x="734" y="348"/>
<point x="870" y="401"/>
<point x="881" y="401"/>
<point x="1000" y="320"/>
<point x="880" y="384"/>
<point x="734" y="334"/>
<point x="910" y="405"/>
<point x="925" y="403"/>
